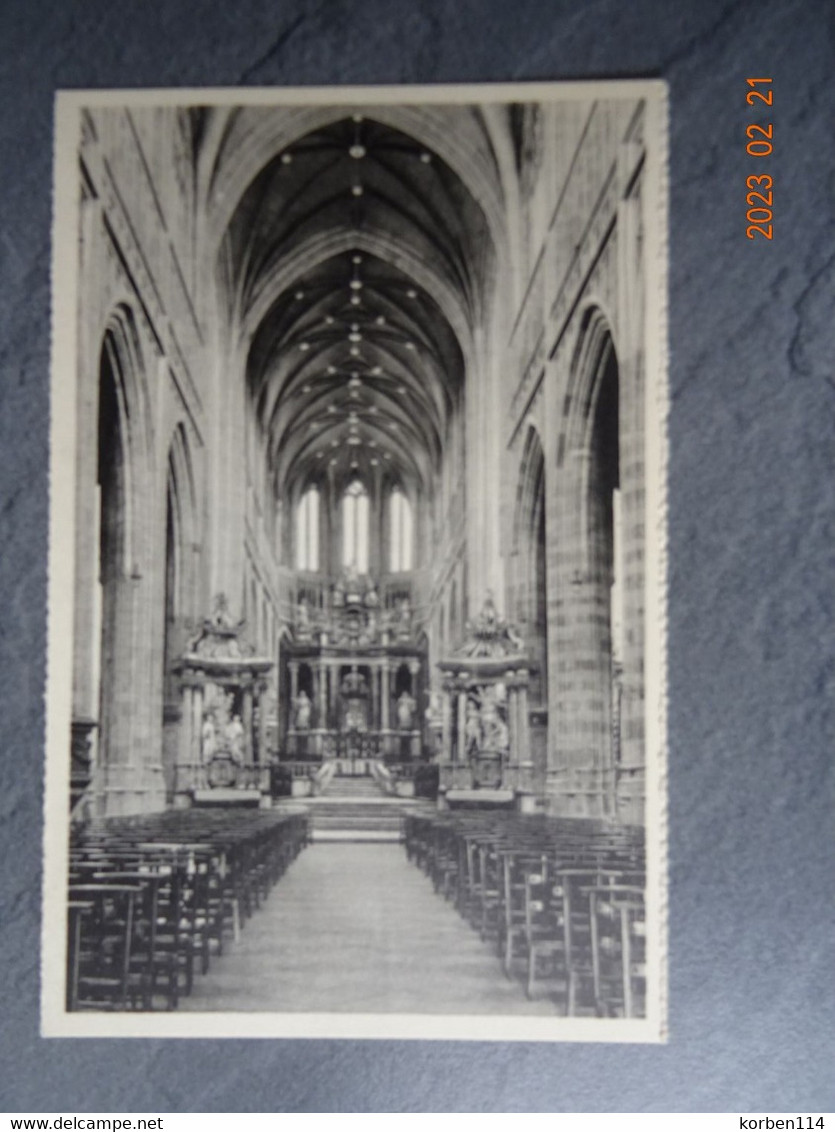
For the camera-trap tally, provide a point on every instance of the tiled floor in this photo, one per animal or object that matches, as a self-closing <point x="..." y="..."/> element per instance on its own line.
<point x="356" y="927"/>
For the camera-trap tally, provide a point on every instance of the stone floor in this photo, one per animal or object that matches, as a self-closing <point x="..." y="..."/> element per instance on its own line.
<point x="356" y="927"/>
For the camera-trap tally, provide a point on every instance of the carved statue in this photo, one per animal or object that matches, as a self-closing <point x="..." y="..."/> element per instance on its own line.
<point x="221" y="616"/>
<point x="405" y="711"/>
<point x="303" y="708"/>
<point x="496" y="736"/>
<point x="490" y="635"/>
<point x="371" y="628"/>
<point x="472" y="729"/>
<point x="208" y="738"/>
<point x="235" y="738"/>
<point x="355" y="716"/>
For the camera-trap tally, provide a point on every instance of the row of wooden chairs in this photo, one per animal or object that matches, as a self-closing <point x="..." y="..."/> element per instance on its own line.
<point x="562" y="900"/>
<point x="152" y="898"/>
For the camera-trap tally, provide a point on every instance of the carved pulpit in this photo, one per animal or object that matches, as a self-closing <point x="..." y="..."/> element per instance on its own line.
<point x="485" y="739"/>
<point x="223" y="686"/>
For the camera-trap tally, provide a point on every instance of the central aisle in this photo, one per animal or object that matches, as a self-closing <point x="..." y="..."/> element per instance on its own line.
<point x="356" y="927"/>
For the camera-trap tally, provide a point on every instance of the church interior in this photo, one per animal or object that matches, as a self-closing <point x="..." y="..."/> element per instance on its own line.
<point x="359" y="574"/>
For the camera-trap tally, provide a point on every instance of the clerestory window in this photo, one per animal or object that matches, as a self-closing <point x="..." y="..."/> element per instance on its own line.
<point x="307" y="531"/>
<point x="355" y="527"/>
<point x="400" y="529"/>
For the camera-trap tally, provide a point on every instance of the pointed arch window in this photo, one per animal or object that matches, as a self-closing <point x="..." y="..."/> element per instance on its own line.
<point x="401" y="540"/>
<point x="355" y="527"/>
<point x="307" y="530"/>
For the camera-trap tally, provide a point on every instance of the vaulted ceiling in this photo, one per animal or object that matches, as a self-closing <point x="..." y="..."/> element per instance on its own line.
<point x="358" y="261"/>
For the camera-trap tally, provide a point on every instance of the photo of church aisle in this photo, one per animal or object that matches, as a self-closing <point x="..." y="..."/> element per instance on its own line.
<point x="356" y="702"/>
<point x="197" y="922"/>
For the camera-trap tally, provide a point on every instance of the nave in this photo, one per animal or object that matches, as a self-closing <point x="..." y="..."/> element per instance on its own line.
<point x="468" y="912"/>
<point x="355" y="927"/>
<point x="359" y="578"/>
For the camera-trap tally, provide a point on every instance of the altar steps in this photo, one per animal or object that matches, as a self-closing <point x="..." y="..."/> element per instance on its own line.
<point x="356" y="809"/>
<point x="354" y="787"/>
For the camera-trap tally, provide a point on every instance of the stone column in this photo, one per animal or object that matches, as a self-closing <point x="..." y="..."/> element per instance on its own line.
<point x="446" y="723"/>
<point x="462" y="723"/>
<point x="513" y="721"/>
<point x="185" y="740"/>
<point x="385" y="705"/>
<point x="523" y="719"/>
<point x="246" y="720"/>
<point x="262" y="724"/>
<point x="194" y="758"/>
<point x="633" y="488"/>
<point x="417" y="696"/>
<point x="294" y="684"/>
<point x="328" y="674"/>
<point x="321" y="686"/>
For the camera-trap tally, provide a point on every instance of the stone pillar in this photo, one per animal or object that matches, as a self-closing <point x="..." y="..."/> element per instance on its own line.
<point x="580" y="742"/>
<point x="385" y="706"/>
<point x="321" y="686"/>
<point x="184" y="747"/>
<point x="262" y="723"/>
<point x="523" y="720"/>
<point x="631" y="281"/>
<point x="462" y="723"/>
<point x="446" y="723"/>
<point x="246" y="720"/>
<point x="294" y="684"/>
<point x="329" y="706"/>
<point x="513" y="722"/>
<point x="191" y="740"/>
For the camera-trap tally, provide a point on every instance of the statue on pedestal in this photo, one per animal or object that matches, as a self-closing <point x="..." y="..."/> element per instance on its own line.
<point x="208" y="737"/>
<point x="303" y="708"/>
<point x="235" y="738"/>
<point x="472" y="729"/>
<point x="494" y="729"/>
<point x="405" y="711"/>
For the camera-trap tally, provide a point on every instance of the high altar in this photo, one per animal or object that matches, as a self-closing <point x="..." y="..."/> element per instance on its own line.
<point x="353" y="675"/>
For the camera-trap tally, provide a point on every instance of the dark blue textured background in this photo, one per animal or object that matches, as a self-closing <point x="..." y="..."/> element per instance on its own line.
<point x="752" y="376"/>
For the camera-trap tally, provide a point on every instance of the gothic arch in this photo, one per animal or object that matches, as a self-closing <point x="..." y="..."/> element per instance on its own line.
<point x="227" y="175"/>
<point x="530" y="556"/>
<point x="180" y="589"/>
<point x="181" y="499"/>
<point x="592" y="475"/>
<point x="124" y="502"/>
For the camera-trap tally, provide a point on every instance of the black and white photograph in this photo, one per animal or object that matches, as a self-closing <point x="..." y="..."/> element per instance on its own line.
<point x="356" y="706"/>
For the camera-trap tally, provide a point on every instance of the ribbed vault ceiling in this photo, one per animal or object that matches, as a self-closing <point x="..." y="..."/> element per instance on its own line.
<point x="352" y="362"/>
